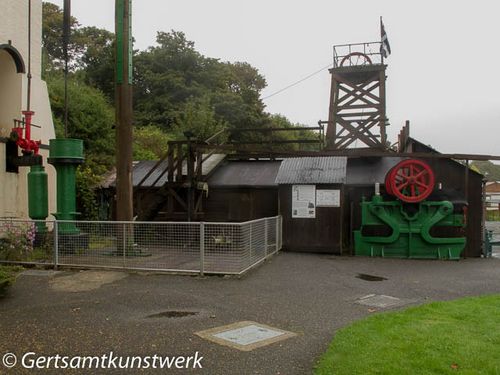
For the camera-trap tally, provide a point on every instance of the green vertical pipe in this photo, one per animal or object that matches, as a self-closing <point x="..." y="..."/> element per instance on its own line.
<point x="66" y="154"/>
<point x="66" y="192"/>
<point x="38" y="196"/>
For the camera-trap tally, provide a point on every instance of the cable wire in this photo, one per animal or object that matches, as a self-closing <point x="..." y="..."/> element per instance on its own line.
<point x="297" y="82"/>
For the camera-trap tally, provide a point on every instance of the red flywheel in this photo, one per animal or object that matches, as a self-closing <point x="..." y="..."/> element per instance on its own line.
<point x="410" y="180"/>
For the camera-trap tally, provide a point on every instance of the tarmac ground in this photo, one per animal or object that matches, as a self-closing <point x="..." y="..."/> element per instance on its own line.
<point x="82" y="313"/>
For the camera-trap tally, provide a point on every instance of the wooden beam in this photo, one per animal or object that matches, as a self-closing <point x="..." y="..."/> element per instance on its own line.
<point x="177" y="198"/>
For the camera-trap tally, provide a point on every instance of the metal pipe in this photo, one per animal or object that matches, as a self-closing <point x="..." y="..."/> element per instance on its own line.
<point x="66" y="36"/>
<point x="28" y="102"/>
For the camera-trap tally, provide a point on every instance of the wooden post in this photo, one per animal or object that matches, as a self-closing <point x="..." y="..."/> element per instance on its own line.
<point x="124" y="193"/>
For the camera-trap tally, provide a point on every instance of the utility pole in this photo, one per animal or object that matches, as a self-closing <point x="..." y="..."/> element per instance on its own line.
<point x="124" y="189"/>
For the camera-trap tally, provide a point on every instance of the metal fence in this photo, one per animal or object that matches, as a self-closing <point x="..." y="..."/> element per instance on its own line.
<point x="188" y="247"/>
<point x="492" y="239"/>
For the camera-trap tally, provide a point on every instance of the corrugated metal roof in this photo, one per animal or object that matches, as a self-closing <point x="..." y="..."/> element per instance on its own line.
<point x="313" y="170"/>
<point x="245" y="174"/>
<point x="141" y="168"/>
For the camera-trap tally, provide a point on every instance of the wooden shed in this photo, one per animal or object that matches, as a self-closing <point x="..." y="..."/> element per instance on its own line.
<point x="311" y="202"/>
<point x="242" y="190"/>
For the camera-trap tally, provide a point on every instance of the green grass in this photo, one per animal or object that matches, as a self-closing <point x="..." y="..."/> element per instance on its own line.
<point x="461" y="336"/>
<point x="7" y="277"/>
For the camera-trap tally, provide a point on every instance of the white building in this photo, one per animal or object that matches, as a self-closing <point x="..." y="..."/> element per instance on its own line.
<point x="13" y="99"/>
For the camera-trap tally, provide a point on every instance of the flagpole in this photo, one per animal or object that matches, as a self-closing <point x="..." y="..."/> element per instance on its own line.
<point x="381" y="42"/>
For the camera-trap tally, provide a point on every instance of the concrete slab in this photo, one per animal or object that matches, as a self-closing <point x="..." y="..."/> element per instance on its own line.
<point x="245" y="336"/>
<point x="85" y="281"/>
<point x="380" y="301"/>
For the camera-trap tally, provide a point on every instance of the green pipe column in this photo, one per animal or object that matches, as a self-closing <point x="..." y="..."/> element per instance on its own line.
<point x="38" y="196"/>
<point x="65" y="155"/>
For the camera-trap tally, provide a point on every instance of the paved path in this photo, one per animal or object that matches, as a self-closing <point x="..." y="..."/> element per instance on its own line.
<point x="88" y="313"/>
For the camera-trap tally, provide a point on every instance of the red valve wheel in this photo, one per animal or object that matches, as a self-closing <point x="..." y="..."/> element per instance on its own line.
<point x="410" y="180"/>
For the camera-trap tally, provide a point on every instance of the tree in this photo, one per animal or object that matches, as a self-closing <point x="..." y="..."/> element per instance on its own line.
<point x="90" y="51"/>
<point x="150" y="143"/>
<point x="97" y="59"/>
<point x="279" y="121"/>
<point x="490" y="170"/>
<point x="173" y="76"/>
<point x="52" y="32"/>
<point x="91" y="118"/>
<point x="197" y="116"/>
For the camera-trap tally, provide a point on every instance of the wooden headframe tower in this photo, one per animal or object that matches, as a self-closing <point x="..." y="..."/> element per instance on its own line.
<point x="357" y="115"/>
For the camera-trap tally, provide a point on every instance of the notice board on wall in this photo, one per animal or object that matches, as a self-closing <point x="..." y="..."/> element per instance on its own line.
<point x="304" y="201"/>
<point x="328" y="198"/>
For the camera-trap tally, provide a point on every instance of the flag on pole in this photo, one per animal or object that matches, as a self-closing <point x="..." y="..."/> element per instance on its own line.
<point x="385" y="47"/>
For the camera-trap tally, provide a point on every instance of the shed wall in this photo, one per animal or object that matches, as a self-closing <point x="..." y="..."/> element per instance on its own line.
<point x="322" y="234"/>
<point x="240" y="204"/>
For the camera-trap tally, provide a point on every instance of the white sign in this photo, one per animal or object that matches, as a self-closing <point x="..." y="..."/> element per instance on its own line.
<point x="304" y="201"/>
<point x="327" y="198"/>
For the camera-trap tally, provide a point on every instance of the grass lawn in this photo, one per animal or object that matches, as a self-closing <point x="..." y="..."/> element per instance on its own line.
<point x="461" y="336"/>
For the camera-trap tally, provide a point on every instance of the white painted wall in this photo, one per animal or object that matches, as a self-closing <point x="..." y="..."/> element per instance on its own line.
<point x="13" y="99"/>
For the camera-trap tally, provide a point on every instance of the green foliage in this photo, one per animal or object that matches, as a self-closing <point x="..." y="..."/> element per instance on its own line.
<point x="86" y="181"/>
<point x="8" y="277"/>
<point x="52" y="31"/>
<point x="492" y="215"/>
<point x="279" y="121"/>
<point x="97" y="59"/>
<point x="490" y="170"/>
<point x="437" y="338"/>
<point x="150" y="143"/>
<point x="198" y="116"/>
<point x="173" y="78"/>
<point x="90" y="117"/>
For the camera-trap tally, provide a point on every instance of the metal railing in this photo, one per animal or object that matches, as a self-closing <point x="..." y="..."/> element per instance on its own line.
<point x="180" y="247"/>
<point x="349" y="54"/>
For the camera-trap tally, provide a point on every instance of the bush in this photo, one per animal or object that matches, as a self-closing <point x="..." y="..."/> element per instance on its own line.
<point x="16" y="241"/>
<point x="7" y="277"/>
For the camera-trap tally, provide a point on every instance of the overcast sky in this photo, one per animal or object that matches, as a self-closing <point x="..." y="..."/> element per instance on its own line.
<point x="443" y="73"/>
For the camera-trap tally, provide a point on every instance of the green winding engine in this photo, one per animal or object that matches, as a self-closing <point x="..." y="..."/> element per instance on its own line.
<point x="410" y="226"/>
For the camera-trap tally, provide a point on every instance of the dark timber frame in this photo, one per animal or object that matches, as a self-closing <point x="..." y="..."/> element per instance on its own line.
<point x="357" y="100"/>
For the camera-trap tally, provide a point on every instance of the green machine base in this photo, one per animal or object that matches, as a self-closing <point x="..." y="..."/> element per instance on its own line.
<point x="425" y="230"/>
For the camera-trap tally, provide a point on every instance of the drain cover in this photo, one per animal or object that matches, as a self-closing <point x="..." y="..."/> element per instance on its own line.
<point x="364" y="276"/>
<point x="173" y="314"/>
<point x="245" y="336"/>
<point x="381" y="301"/>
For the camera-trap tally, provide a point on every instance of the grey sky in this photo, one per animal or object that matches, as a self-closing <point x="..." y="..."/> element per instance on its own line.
<point x="442" y="73"/>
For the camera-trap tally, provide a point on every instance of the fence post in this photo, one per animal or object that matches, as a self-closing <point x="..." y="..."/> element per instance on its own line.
<point x="265" y="237"/>
<point x="124" y="243"/>
<point x="202" y="248"/>
<point x="278" y="231"/>
<point x="55" y="234"/>
<point x="250" y="245"/>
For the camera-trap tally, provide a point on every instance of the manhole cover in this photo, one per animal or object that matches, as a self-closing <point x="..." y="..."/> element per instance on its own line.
<point x="245" y="336"/>
<point x="381" y="301"/>
<point x="366" y="277"/>
<point x="173" y="314"/>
